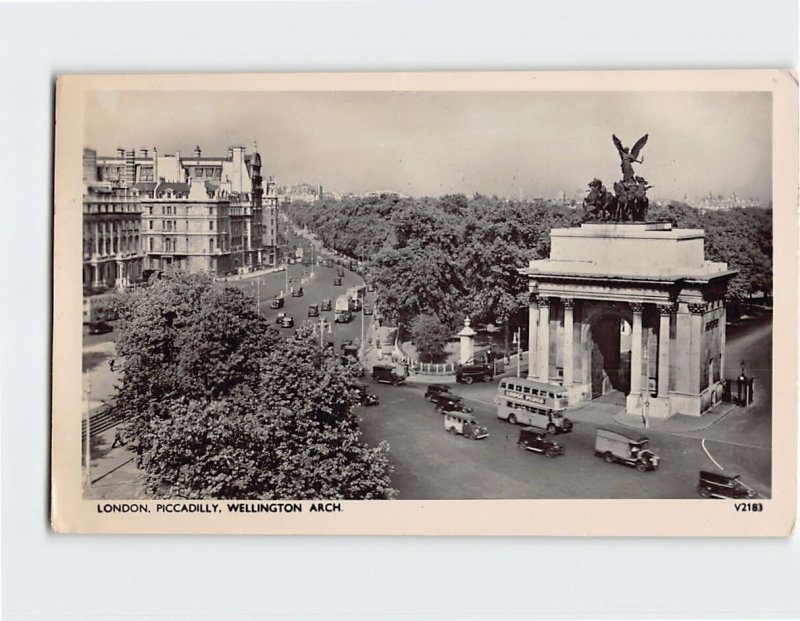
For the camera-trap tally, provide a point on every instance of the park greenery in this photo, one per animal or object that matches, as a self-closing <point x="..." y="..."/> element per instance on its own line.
<point x="454" y="257"/>
<point x="220" y="406"/>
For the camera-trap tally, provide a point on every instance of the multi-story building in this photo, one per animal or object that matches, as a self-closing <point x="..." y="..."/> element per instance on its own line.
<point x="112" y="254"/>
<point x="164" y="211"/>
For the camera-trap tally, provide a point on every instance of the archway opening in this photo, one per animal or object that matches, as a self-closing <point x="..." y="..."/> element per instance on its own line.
<point x="610" y="356"/>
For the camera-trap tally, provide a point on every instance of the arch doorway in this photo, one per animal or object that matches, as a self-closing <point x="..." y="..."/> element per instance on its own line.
<point x="609" y="355"/>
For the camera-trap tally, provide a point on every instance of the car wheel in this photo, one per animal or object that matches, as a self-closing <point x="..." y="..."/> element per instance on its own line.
<point x="704" y="492"/>
<point x="551" y="429"/>
<point x="641" y="466"/>
<point x="451" y="430"/>
<point x="609" y="458"/>
<point x="551" y="452"/>
<point x="487" y="378"/>
<point x="468" y="379"/>
<point x="512" y="419"/>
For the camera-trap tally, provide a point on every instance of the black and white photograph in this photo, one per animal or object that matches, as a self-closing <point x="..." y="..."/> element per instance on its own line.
<point x="296" y="297"/>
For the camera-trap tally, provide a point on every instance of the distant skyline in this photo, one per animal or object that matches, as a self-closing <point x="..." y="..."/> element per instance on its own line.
<point x="434" y="143"/>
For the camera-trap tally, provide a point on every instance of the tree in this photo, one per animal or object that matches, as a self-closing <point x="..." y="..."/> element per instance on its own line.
<point x="219" y="406"/>
<point x="430" y="336"/>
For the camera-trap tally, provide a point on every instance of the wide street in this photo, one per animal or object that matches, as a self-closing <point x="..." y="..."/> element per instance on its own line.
<point x="431" y="463"/>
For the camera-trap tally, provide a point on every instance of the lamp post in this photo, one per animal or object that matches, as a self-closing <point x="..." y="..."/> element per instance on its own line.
<point x="88" y="451"/>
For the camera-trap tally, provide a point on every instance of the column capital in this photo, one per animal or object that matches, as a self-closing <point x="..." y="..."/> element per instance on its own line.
<point x="666" y="309"/>
<point x="568" y="302"/>
<point x="697" y="309"/>
<point x="637" y="307"/>
<point x="543" y="300"/>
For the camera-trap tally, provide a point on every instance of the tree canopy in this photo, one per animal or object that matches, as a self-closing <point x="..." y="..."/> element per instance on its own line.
<point x="220" y="406"/>
<point x="454" y="256"/>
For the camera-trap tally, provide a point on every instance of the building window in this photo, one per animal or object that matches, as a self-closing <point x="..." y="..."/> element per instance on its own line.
<point x="210" y="211"/>
<point x="151" y="225"/>
<point x="150" y="210"/>
<point x="211" y="245"/>
<point x="211" y="225"/>
<point x="151" y="244"/>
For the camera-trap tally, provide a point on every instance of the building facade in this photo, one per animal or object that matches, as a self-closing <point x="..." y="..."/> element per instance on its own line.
<point x="670" y="358"/>
<point x="168" y="212"/>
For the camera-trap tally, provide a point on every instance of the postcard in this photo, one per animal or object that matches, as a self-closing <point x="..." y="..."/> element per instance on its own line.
<point x="504" y="303"/>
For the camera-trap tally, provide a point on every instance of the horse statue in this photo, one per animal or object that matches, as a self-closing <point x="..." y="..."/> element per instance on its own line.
<point x="599" y="202"/>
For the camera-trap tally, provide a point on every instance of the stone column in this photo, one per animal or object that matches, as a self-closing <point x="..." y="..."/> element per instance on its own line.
<point x="569" y="305"/>
<point x="543" y="372"/>
<point x="467" y="336"/>
<point x="722" y="337"/>
<point x="664" y="312"/>
<point x="636" y="349"/>
<point x="533" y="326"/>
<point x="696" y="336"/>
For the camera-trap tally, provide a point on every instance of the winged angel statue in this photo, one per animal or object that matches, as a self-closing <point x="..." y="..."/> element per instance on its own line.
<point x="628" y="157"/>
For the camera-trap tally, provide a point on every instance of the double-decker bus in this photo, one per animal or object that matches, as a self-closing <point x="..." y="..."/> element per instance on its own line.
<point x="533" y="403"/>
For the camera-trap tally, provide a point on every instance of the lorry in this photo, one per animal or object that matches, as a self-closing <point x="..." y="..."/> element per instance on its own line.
<point x="356" y="295"/>
<point x="342" y="310"/>
<point x="617" y="447"/>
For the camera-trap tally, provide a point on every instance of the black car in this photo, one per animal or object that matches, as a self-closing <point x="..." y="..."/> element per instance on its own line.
<point x="313" y="310"/>
<point x="326" y="304"/>
<point x="287" y="322"/>
<point x="468" y="373"/>
<point x="434" y="390"/>
<point x="716" y="485"/>
<point x="99" y="327"/>
<point x="367" y="309"/>
<point x="337" y="282"/>
<point x="447" y="402"/>
<point x="365" y="397"/>
<point x="276" y="302"/>
<point x="297" y="293"/>
<point x="537" y="440"/>
<point x="385" y="374"/>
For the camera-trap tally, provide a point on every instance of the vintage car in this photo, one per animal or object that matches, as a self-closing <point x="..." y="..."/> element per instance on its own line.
<point x="367" y="309"/>
<point x="370" y="287"/>
<point x="448" y="402"/>
<point x="464" y="424"/>
<point x="326" y="304"/>
<point x="340" y="271"/>
<point x="468" y="373"/>
<point x="617" y="447"/>
<point x="538" y="440"/>
<point x="365" y="397"/>
<point x="99" y="327"/>
<point x="337" y="282"/>
<point x="287" y="322"/>
<point x="276" y="302"/>
<point x="435" y="390"/>
<point x="718" y="485"/>
<point x="297" y="292"/>
<point x="386" y="374"/>
<point x="313" y="310"/>
<point x="279" y="318"/>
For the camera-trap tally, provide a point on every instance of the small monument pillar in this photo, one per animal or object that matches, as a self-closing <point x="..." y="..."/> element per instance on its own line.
<point x="467" y="336"/>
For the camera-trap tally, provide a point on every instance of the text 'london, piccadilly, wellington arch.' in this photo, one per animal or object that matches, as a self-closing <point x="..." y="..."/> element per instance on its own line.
<point x="632" y="307"/>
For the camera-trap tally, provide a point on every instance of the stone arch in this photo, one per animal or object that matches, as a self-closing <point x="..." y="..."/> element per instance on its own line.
<point x="608" y="365"/>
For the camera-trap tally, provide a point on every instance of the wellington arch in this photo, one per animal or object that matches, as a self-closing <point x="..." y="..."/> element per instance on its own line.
<point x="633" y="308"/>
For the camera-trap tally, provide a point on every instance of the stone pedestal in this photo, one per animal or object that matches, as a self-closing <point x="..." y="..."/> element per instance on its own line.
<point x="467" y="336"/>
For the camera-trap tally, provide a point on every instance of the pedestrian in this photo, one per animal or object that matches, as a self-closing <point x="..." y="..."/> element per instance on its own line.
<point x="111" y="364"/>
<point x="118" y="439"/>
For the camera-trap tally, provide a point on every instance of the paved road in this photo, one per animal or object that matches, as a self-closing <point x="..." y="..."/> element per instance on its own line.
<point x="431" y="463"/>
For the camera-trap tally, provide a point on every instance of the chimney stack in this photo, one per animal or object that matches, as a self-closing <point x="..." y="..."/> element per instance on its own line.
<point x="144" y="152"/>
<point x="120" y="152"/>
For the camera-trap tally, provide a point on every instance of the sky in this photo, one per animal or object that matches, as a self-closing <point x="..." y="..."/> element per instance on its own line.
<point x="533" y="144"/>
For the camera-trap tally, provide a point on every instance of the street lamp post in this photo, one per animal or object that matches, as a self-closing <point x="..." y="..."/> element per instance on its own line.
<point x="88" y="453"/>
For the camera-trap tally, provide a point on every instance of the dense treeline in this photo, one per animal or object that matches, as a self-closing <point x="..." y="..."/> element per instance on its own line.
<point x="454" y="256"/>
<point x="220" y="406"/>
